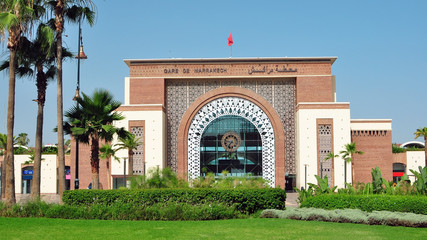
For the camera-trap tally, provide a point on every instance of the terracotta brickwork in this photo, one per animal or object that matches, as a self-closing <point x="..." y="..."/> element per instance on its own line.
<point x="85" y="172"/>
<point x="314" y="80"/>
<point x="315" y="89"/>
<point x="377" y="148"/>
<point x="254" y="67"/>
<point x="400" y="158"/>
<point x="147" y="91"/>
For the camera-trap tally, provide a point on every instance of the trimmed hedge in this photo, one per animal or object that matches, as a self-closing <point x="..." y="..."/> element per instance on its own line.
<point x="246" y="201"/>
<point x="158" y="211"/>
<point x="369" y="203"/>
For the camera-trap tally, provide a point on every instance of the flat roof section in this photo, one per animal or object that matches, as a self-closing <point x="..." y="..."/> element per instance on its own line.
<point x="331" y="60"/>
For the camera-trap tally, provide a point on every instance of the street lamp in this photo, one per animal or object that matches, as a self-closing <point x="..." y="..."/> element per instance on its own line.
<point x="124" y="171"/>
<point x="305" y="170"/>
<point x="81" y="55"/>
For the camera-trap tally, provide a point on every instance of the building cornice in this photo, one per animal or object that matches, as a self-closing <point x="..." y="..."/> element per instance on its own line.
<point x="330" y="60"/>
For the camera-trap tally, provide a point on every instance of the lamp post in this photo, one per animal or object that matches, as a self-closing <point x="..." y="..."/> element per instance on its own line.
<point x="81" y="55"/>
<point x="124" y="171"/>
<point x="305" y="170"/>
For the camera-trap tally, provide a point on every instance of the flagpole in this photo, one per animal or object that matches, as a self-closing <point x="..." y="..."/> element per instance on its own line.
<point x="230" y="43"/>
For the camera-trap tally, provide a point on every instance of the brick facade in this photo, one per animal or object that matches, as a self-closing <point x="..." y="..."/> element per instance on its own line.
<point x="377" y="148"/>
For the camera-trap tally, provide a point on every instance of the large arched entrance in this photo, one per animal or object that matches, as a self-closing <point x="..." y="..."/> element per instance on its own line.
<point x="232" y="101"/>
<point x="222" y="109"/>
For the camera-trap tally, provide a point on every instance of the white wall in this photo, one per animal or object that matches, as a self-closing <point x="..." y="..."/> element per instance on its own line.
<point x="370" y="124"/>
<point x="154" y="139"/>
<point x="413" y="160"/>
<point x="306" y="143"/>
<point x="127" y="84"/>
<point x="48" y="173"/>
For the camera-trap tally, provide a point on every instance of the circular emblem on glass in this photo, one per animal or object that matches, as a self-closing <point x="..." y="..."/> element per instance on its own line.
<point x="230" y="141"/>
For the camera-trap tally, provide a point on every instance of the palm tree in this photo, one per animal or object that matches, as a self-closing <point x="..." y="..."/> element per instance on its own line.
<point x="107" y="152"/>
<point x="92" y="122"/>
<point x="347" y="156"/>
<point x="130" y="142"/>
<point x="40" y="55"/>
<point x="73" y="11"/>
<point x="328" y="157"/>
<point x="23" y="139"/>
<point x="423" y="132"/>
<point x="16" y="17"/>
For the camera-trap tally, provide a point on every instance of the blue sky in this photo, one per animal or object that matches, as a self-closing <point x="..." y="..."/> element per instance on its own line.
<point x="381" y="48"/>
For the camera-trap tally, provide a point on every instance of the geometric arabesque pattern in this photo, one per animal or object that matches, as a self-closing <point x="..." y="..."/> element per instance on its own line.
<point x="279" y="92"/>
<point x="237" y="107"/>
<point x="138" y="153"/>
<point x="325" y="147"/>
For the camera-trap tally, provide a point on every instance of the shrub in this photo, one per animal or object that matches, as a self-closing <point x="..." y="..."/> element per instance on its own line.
<point x="349" y="216"/>
<point x="129" y="211"/>
<point x="246" y="201"/>
<point x="369" y="203"/>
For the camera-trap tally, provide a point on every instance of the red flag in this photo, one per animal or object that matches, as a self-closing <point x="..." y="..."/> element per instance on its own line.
<point x="230" y="40"/>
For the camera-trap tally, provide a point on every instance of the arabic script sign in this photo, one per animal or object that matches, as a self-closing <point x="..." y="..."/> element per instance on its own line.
<point x="216" y="70"/>
<point x="270" y="70"/>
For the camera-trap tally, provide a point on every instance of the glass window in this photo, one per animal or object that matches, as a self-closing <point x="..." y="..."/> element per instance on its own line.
<point x="231" y="143"/>
<point x="27" y="179"/>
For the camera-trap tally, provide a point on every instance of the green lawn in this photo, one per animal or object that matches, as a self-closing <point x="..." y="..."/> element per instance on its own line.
<point x="43" y="228"/>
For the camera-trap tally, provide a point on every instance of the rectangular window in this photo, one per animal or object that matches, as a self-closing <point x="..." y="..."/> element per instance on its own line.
<point x="324" y="148"/>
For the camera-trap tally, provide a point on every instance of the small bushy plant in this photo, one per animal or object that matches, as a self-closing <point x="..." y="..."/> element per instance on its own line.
<point x="156" y="178"/>
<point x="349" y="216"/>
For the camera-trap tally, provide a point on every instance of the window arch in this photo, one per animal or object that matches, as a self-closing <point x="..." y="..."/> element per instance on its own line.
<point x="231" y="143"/>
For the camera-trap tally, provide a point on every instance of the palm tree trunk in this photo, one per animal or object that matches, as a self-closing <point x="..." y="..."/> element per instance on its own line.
<point x="10" y="175"/>
<point x="3" y="175"/>
<point x="94" y="162"/>
<point x="59" y="18"/>
<point x="41" y="92"/>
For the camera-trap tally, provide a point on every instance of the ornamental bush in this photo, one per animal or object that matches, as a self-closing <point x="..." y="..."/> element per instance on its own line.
<point x="157" y="211"/>
<point x="246" y="201"/>
<point x="369" y="203"/>
<point x="349" y="216"/>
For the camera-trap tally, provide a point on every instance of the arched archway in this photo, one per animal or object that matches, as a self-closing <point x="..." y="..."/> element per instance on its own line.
<point x="247" y="97"/>
<point x="231" y="106"/>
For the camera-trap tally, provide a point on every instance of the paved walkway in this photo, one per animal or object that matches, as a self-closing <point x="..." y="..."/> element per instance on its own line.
<point x="291" y="200"/>
<point x="47" y="198"/>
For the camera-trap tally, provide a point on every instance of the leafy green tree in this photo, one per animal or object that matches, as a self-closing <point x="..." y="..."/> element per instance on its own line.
<point x="92" y="122"/>
<point x="422" y="132"/>
<point x="347" y="156"/>
<point x="23" y="139"/>
<point x="73" y="11"/>
<point x="16" y="18"/>
<point x="130" y="143"/>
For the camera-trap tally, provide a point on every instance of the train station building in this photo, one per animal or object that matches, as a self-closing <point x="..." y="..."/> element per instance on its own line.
<point x="275" y="118"/>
